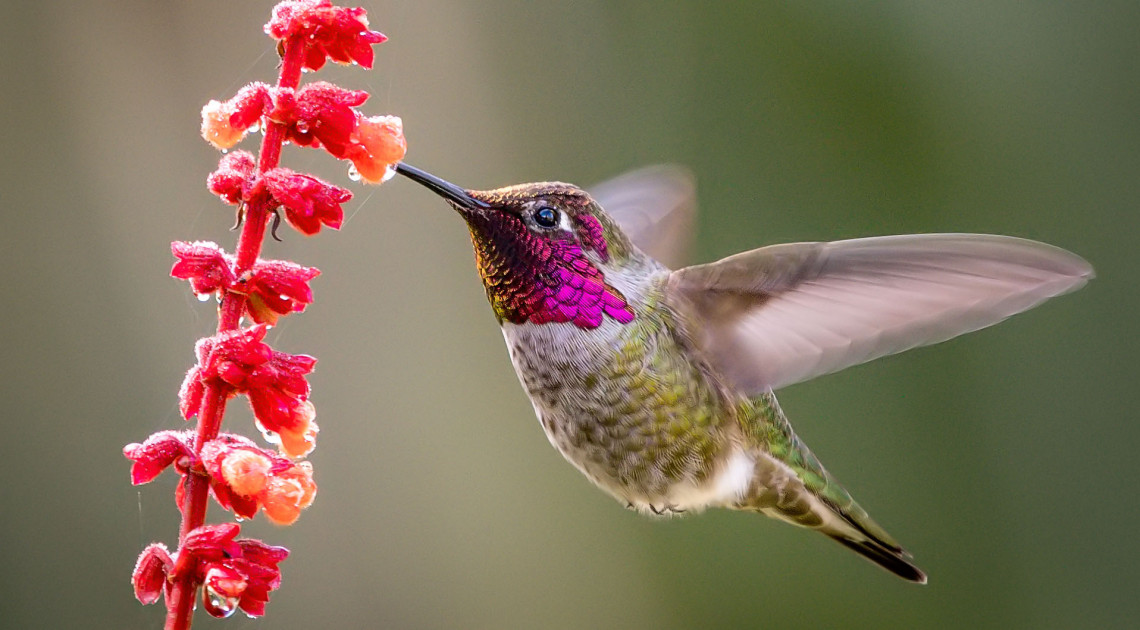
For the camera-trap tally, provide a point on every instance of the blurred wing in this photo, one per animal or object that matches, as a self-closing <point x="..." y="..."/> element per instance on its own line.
<point x="656" y="207"/>
<point x="787" y="313"/>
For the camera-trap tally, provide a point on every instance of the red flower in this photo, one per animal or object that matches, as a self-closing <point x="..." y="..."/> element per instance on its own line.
<point x="232" y="177"/>
<point x="204" y="264"/>
<point x="277" y="287"/>
<point x="245" y="478"/>
<point x="273" y="287"/>
<point x="319" y="114"/>
<point x="158" y="452"/>
<point x="235" y="573"/>
<point x="378" y="143"/>
<point x="337" y="33"/>
<point x="274" y="382"/>
<point x="322" y="114"/>
<point x="308" y="202"/>
<point x="225" y="124"/>
<point x="151" y="569"/>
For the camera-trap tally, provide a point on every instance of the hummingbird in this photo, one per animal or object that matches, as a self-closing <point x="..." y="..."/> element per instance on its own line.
<point x="657" y="383"/>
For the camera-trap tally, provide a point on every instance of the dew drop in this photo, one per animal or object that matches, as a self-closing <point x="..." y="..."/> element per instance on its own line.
<point x="219" y="605"/>
<point x="353" y="174"/>
<point x="225" y="151"/>
<point x="256" y="128"/>
<point x="389" y="173"/>
<point x="301" y="126"/>
<point x="203" y="297"/>
<point x="270" y="436"/>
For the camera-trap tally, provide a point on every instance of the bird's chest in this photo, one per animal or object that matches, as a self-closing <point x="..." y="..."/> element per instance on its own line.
<point x="621" y="403"/>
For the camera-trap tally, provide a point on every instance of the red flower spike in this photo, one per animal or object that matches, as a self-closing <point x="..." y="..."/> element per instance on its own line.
<point x="229" y="181"/>
<point x="243" y="477"/>
<point x="157" y="453"/>
<point x="225" y="124"/>
<point x="378" y="144"/>
<point x="308" y="202"/>
<point x="336" y="33"/>
<point x="151" y="569"/>
<point x="204" y="264"/>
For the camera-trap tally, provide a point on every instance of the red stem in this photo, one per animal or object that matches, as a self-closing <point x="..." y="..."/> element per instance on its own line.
<point x="180" y="608"/>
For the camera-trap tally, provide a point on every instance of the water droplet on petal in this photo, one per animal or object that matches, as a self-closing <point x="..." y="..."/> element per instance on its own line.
<point x="204" y="297"/>
<point x="301" y="126"/>
<point x="353" y="174"/>
<point x="219" y="605"/>
<point x="270" y="436"/>
<point x="389" y="173"/>
<point x="256" y="128"/>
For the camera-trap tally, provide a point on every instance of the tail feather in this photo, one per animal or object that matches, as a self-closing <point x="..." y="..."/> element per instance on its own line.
<point x="894" y="560"/>
<point x="790" y="484"/>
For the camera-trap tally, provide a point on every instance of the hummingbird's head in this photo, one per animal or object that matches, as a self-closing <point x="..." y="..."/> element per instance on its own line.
<point x="543" y="250"/>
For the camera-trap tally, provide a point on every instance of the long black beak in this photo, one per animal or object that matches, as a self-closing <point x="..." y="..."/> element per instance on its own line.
<point x="444" y="189"/>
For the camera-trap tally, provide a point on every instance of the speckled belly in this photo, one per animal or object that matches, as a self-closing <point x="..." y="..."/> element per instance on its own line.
<point x="625" y="406"/>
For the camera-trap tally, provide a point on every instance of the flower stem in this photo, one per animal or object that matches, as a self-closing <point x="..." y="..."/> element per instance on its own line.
<point x="180" y="608"/>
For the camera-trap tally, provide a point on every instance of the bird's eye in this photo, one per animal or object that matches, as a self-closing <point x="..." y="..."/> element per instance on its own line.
<point x="546" y="217"/>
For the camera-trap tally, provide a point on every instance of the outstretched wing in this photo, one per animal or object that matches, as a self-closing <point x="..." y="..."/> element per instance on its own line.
<point x="787" y="313"/>
<point x="656" y="207"/>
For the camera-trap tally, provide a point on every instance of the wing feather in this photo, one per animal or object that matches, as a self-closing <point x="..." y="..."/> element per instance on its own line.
<point x="787" y="313"/>
<point x="655" y="206"/>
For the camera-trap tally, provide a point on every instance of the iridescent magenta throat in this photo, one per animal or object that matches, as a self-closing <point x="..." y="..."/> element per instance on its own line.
<point x="540" y="280"/>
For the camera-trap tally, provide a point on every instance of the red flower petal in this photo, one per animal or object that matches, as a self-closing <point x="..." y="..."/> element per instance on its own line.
<point x="327" y="31"/>
<point x="250" y="104"/>
<point x="225" y="124"/>
<point x="151" y="569"/>
<point x="308" y="202"/>
<point x="212" y="542"/>
<point x="157" y="453"/>
<point x="230" y="179"/>
<point x="378" y="143"/>
<point x="204" y="264"/>
<point x="274" y="382"/>
<point x="289" y="492"/>
<point x="319" y="114"/>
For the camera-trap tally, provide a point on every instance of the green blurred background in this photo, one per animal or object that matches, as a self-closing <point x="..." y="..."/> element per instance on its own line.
<point x="1004" y="460"/>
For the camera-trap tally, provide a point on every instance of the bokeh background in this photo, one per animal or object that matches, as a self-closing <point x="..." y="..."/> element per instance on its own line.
<point x="1005" y="460"/>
